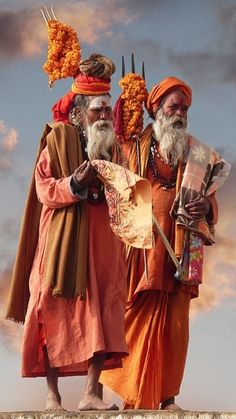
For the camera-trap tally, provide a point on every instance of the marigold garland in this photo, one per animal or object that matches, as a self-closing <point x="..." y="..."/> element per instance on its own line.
<point x="64" y="51"/>
<point x="134" y="93"/>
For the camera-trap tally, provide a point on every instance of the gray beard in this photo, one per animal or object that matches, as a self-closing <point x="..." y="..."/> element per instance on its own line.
<point x="171" y="133"/>
<point x="101" y="137"/>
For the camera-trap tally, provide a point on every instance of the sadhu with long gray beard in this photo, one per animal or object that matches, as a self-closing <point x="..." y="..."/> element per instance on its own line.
<point x="184" y="174"/>
<point x="67" y="247"/>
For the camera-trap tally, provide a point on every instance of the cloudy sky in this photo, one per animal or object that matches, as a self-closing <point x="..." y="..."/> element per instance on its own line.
<point x="193" y="40"/>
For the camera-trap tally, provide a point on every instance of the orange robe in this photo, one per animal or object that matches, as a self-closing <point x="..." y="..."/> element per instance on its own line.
<point x="75" y="330"/>
<point x="157" y="317"/>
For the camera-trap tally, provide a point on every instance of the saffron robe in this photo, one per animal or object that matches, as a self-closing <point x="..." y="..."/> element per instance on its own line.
<point x="157" y="313"/>
<point x="75" y="330"/>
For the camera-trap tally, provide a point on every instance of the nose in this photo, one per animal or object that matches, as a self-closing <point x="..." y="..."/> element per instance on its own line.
<point x="103" y="114"/>
<point x="179" y="112"/>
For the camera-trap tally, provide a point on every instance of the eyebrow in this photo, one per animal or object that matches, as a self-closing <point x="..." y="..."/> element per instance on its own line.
<point x="185" y="107"/>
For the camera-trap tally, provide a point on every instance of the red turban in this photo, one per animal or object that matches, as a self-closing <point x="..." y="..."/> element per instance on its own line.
<point x="83" y="85"/>
<point x="161" y="89"/>
<point x="90" y="85"/>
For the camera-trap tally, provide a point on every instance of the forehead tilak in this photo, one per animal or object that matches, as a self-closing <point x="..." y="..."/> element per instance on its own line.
<point x="100" y="102"/>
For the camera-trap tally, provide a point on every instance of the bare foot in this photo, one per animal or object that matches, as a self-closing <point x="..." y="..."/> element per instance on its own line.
<point x="53" y="403"/>
<point x="93" y="402"/>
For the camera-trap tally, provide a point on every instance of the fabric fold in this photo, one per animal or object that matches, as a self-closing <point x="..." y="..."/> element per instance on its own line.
<point x="129" y="200"/>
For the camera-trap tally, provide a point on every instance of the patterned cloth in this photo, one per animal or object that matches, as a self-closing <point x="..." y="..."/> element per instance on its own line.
<point x="204" y="173"/>
<point x="192" y="259"/>
<point x="129" y="200"/>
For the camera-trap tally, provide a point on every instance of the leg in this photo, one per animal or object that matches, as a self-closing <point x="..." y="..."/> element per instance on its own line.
<point x="169" y="404"/>
<point x="91" y="398"/>
<point x="53" y="401"/>
<point x="100" y="391"/>
<point x="176" y="336"/>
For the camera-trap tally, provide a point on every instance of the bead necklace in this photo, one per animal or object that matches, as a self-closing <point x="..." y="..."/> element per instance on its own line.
<point x="166" y="183"/>
<point x="83" y="142"/>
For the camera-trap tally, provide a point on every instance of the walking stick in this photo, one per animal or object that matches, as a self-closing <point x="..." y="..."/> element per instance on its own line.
<point x="180" y="270"/>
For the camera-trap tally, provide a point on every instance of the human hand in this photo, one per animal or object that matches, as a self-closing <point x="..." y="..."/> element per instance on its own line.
<point x="198" y="207"/>
<point x="85" y="174"/>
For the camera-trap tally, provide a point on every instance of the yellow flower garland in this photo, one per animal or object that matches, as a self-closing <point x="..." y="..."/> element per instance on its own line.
<point x="134" y="93"/>
<point x="64" y="51"/>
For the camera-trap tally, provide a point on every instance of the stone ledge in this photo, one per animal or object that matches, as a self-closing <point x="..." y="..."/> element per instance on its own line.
<point x="125" y="414"/>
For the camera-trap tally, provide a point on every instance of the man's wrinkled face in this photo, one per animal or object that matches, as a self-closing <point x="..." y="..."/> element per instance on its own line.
<point x="175" y="104"/>
<point x="100" y="131"/>
<point x="99" y="109"/>
<point x="170" y="127"/>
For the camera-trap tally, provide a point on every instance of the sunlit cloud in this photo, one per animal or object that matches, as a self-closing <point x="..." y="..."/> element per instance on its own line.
<point x="8" y="142"/>
<point x="10" y="332"/>
<point x="9" y="228"/>
<point x="24" y="32"/>
<point x="220" y="264"/>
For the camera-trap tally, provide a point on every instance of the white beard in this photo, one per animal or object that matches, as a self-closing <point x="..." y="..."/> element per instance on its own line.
<point x="171" y="133"/>
<point x="101" y="137"/>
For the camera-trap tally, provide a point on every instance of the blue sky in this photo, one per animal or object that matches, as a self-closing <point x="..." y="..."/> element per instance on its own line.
<point x="193" y="40"/>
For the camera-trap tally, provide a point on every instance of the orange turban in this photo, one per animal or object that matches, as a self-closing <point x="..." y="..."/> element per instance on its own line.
<point x="161" y="89"/>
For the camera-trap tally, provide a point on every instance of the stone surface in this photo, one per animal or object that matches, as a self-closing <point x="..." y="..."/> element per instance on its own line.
<point x="126" y="414"/>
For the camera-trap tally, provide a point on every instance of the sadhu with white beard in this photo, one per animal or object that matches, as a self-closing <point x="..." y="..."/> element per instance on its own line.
<point x="184" y="174"/>
<point x="68" y="250"/>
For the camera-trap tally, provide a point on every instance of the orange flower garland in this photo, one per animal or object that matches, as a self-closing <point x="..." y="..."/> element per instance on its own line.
<point x="134" y="93"/>
<point x="64" y="51"/>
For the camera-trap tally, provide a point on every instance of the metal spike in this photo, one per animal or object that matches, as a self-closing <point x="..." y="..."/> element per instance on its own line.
<point x="143" y="71"/>
<point x="48" y="16"/>
<point x="123" y="66"/>
<point x="52" y="12"/>
<point x="132" y="63"/>
<point x="44" y="16"/>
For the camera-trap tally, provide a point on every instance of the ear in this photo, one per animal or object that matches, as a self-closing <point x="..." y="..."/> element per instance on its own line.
<point x="79" y="115"/>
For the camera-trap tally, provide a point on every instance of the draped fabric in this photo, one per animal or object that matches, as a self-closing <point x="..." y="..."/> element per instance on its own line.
<point x="66" y="252"/>
<point x="205" y="172"/>
<point x="157" y="334"/>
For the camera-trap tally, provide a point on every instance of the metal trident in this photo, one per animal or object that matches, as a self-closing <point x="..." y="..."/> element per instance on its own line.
<point x="48" y="14"/>
<point x="132" y="66"/>
<point x="179" y="269"/>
